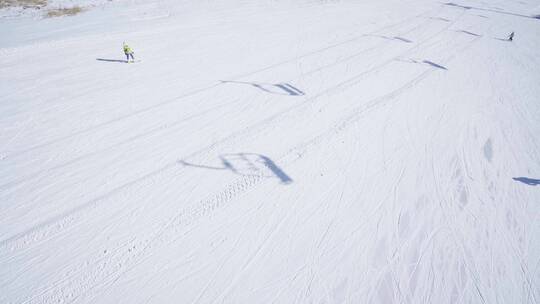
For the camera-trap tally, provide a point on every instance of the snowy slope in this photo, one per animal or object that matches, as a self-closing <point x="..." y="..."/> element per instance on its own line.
<point x="272" y="152"/>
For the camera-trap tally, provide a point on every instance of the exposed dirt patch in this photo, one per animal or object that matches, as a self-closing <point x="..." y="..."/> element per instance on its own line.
<point x="23" y="3"/>
<point x="58" y="12"/>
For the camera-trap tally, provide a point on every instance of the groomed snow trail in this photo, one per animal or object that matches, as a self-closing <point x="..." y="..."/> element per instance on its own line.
<point x="272" y="152"/>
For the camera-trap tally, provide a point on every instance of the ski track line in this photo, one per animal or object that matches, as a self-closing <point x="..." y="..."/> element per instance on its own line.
<point x="173" y="124"/>
<point x="24" y="127"/>
<point x="240" y="186"/>
<point x="348" y="58"/>
<point x="448" y="218"/>
<point x="117" y="119"/>
<point x="69" y="217"/>
<point x="108" y="269"/>
<point x="204" y="88"/>
<point x="142" y="135"/>
<point x="250" y="259"/>
<point x="332" y="46"/>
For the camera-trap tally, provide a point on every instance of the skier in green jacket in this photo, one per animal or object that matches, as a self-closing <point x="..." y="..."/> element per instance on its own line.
<point x="129" y="52"/>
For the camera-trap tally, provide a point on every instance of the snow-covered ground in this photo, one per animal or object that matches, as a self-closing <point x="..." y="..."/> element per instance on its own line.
<point x="272" y="151"/>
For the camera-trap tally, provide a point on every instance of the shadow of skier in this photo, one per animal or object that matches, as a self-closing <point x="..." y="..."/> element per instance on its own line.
<point x="111" y="60"/>
<point x="527" y="181"/>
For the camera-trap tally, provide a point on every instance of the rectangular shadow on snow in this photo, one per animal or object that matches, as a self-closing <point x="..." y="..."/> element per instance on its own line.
<point x="246" y="164"/>
<point x="278" y="89"/>
<point x="293" y="91"/>
<point x="285" y="179"/>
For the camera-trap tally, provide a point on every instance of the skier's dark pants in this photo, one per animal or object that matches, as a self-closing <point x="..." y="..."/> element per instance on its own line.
<point x="129" y="54"/>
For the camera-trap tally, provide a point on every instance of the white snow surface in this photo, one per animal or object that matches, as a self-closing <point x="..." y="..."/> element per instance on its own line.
<point x="376" y="151"/>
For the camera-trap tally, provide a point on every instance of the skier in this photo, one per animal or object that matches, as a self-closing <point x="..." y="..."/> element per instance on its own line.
<point x="511" y="37"/>
<point x="129" y="52"/>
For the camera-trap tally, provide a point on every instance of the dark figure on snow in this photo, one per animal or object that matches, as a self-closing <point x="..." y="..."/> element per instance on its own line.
<point x="511" y="37"/>
<point x="129" y="52"/>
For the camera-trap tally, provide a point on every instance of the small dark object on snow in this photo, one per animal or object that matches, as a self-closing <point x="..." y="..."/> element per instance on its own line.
<point x="511" y="37"/>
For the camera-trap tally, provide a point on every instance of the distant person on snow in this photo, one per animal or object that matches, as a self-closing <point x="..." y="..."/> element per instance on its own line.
<point x="511" y="37"/>
<point x="129" y="52"/>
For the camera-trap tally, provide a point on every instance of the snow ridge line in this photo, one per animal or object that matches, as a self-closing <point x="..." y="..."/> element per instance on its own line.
<point x="59" y="222"/>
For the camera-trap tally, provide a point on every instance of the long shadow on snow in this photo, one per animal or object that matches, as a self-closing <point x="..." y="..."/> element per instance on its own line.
<point x="468" y="33"/>
<point x="491" y="10"/>
<point x="431" y="63"/>
<point x="246" y="164"/>
<point x="111" y="60"/>
<point x="439" y="18"/>
<point x="390" y="38"/>
<point x="528" y="181"/>
<point x="278" y="89"/>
